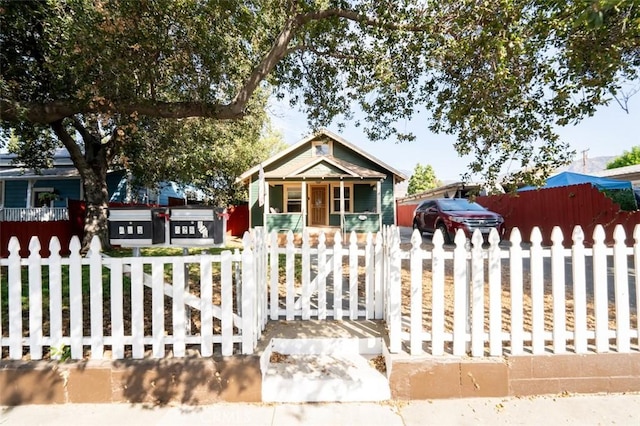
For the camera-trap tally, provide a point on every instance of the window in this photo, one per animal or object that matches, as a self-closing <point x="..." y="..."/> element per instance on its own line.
<point x="321" y="149"/>
<point x="293" y="199"/>
<point x="336" y="199"/>
<point x="43" y="196"/>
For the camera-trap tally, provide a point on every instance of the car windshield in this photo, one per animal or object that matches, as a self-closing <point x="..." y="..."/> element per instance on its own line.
<point x="460" y="204"/>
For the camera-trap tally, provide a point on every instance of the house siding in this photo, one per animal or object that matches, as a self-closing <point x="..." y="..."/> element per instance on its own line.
<point x="15" y="193"/>
<point x="67" y="189"/>
<point x="304" y="152"/>
<point x="388" y="201"/>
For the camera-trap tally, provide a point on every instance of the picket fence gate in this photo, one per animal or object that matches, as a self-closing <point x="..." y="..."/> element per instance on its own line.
<point x="150" y="301"/>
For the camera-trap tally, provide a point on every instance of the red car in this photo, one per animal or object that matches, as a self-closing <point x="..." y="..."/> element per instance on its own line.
<point x="451" y="214"/>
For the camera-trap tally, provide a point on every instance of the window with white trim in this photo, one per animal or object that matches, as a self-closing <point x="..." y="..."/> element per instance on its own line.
<point x="335" y="198"/>
<point x="293" y="199"/>
<point x="321" y="149"/>
<point x="42" y="196"/>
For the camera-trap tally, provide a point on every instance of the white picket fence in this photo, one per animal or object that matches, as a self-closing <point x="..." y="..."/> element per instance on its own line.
<point x="83" y="322"/>
<point x="600" y="299"/>
<point x="144" y="306"/>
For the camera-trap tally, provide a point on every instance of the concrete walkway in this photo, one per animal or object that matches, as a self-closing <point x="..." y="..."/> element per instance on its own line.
<point x="619" y="409"/>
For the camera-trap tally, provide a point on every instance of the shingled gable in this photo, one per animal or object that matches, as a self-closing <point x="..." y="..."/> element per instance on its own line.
<point x="298" y="168"/>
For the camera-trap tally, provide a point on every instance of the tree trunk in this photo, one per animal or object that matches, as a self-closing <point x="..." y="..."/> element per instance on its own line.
<point x="97" y="203"/>
<point x="96" y="195"/>
<point x="92" y="164"/>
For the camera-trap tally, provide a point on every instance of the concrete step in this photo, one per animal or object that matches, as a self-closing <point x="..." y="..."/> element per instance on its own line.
<point x="323" y="370"/>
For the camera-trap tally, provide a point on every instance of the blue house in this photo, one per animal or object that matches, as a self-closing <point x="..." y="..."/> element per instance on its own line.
<point x="24" y="193"/>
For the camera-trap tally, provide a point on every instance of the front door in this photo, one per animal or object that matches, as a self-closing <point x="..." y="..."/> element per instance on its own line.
<point x="318" y="206"/>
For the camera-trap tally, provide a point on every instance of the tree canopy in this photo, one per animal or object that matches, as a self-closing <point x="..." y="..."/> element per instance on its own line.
<point x="422" y="179"/>
<point x="498" y="75"/>
<point x="201" y="153"/>
<point x="628" y="158"/>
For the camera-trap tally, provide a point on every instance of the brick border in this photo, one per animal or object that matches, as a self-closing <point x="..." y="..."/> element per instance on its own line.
<point x="187" y="381"/>
<point x="195" y="380"/>
<point x="437" y="378"/>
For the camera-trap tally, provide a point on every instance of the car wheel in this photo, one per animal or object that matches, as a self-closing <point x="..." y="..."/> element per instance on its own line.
<point x="415" y="226"/>
<point x="445" y="234"/>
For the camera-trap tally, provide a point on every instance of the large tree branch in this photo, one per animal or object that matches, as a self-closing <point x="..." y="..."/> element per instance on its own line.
<point x="70" y="144"/>
<point x="49" y="112"/>
<point x="280" y="47"/>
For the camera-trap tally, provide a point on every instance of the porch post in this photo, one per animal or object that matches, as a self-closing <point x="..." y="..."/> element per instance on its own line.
<point x="29" y="193"/>
<point x="342" y="205"/>
<point x="379" y="204"/>
<point x="304" y="203"/>
<point x="266" y="205"/>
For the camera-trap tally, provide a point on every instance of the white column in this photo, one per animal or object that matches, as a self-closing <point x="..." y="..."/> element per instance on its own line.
<point x="379" y="204"/>
<point x="29" y="194"/>
<point x="304" y="204"/>
<point x="341" y="205"/>
<point x="266" y="205"/>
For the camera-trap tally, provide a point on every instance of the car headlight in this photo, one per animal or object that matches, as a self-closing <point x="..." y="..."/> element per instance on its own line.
<point x="500" y="219"/>
<point x="456" y="219"/>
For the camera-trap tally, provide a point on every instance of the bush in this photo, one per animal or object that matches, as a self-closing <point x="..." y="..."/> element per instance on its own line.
<point x="623" y="197"/>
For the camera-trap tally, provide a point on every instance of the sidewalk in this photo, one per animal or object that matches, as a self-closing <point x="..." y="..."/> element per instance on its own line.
<point x="619" y="409"/>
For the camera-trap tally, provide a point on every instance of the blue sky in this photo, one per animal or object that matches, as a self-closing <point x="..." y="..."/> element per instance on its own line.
<point x="610" y="132"/>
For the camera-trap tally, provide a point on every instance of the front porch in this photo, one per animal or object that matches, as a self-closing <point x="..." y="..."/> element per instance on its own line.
<point x="344" y="206"/>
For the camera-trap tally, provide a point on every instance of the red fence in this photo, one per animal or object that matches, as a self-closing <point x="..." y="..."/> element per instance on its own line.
<point x="404" y="214"/>
<point x="565" y="207"/>
<point x="62" y="229"/>
<point x="238" y="221"/>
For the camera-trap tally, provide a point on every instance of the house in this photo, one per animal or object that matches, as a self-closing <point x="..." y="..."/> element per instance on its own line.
<point x="24" y="193"/>
<point x="323" y="182"/>
<point x="629" y="173"/>
<point x="43" y="204"/>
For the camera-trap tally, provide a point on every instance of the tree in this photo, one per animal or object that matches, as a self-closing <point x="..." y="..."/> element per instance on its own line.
<point x="181" y="151"/>
<point x="499" y="78"/>
<point x="422" y="179"/>
<point x="628" y="158"/>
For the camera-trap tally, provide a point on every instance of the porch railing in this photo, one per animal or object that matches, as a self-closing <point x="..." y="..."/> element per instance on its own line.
<point x="34" y="214"/>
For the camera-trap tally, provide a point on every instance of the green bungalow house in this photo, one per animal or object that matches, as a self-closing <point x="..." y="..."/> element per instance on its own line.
<point x="322" y="182"/>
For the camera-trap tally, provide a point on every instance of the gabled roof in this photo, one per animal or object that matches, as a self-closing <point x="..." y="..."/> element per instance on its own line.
<point x="298" y="168"/>
<point x="327" y="166"/>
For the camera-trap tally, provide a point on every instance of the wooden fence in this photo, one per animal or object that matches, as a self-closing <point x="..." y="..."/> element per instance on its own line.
<point x="475" y="298"/>
<point x="78" y="307"/>
<point x="565" y="207"/>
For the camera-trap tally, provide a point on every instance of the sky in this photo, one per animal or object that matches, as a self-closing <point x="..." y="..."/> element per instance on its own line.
<point x="609" y="132"/>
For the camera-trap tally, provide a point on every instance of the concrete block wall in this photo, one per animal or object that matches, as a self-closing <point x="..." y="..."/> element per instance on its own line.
<point x="436" y="378"/>
<point x="187" y="381"/>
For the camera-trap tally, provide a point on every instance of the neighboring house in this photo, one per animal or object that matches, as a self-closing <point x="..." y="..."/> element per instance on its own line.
<point x="166" y="193"/>
<point x="23" y="192"/>
<point x="629" y="173"/>
<point x="320" y="182"/>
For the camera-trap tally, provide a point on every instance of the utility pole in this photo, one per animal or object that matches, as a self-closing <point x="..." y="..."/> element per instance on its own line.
<point x="584" y="160"/>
